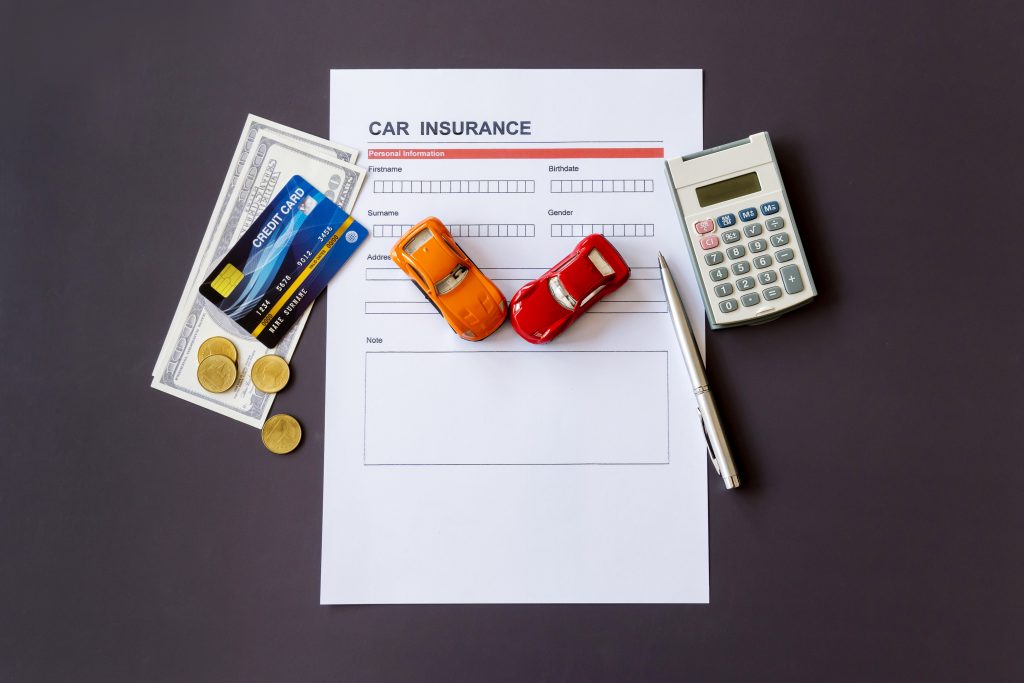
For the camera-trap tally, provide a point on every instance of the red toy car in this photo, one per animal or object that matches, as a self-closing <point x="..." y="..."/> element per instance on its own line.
<point x="543" y="308"/>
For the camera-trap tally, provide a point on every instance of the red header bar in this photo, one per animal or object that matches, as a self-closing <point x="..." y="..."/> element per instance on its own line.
<point x="532" y="153"/>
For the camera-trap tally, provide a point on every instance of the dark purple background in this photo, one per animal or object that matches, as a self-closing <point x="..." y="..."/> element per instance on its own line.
<point x="880" y="535"/>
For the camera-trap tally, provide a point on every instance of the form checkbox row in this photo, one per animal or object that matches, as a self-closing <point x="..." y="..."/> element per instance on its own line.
<point x="453" y="186"/>
<point x="465" y="230"/>
<point x="492" y="229"/>
<point x="606" y="229"/>
<point x="630" y="185"/>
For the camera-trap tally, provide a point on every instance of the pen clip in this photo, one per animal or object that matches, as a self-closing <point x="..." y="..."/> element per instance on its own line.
<point x="707" y="440"/>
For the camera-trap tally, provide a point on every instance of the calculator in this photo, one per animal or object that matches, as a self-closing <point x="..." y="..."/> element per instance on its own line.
<point x="740" y="231"/>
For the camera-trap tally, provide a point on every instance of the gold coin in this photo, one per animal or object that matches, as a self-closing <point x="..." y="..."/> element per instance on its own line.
<point x="217" y="373"/>
<point x="217" y="346"/>
<point x="281" y="434"/>
<point x="270" y="373"/>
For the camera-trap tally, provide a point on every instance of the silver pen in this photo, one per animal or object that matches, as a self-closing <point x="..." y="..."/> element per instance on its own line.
<point x="718" y="449"/>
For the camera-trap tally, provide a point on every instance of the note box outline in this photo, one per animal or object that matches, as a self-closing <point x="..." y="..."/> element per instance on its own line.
<point x="621" y="463"/>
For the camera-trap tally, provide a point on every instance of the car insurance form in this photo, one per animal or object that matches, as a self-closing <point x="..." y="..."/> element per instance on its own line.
<point x="501" y="471"/>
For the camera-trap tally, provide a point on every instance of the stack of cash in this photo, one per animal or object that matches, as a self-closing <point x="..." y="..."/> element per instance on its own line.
<point x="267" y="156"/>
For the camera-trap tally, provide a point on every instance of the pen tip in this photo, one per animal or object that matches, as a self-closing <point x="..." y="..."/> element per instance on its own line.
<point x="661" y="260"/>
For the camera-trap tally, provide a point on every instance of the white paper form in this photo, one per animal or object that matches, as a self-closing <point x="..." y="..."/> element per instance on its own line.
<point x="500" y="471"/>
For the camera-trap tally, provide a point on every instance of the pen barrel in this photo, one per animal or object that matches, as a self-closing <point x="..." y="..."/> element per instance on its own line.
<point x="719" y="447"/>
<point x="684" y="330"/>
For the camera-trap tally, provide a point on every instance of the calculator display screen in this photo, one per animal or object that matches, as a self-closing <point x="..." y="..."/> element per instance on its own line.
<point x="724" y="190"/>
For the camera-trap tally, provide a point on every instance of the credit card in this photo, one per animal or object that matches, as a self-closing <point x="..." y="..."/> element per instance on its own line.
<point x="283" y="261"/>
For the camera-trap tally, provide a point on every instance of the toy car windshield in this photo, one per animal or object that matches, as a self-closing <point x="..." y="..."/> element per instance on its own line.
<point x="600" y="263"/>
<point x="453" y="280"/>
<point x="560" y="295"/>
<point x="421" y="238"/>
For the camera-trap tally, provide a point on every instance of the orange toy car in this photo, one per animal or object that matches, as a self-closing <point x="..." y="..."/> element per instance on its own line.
<point x="470" y="302"/>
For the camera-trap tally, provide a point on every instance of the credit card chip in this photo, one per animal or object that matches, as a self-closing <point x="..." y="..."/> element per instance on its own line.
<point x="226" y="280"/>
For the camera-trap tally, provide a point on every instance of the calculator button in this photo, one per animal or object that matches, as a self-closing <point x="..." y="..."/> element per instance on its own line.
<point x="708" y="242"/>
<point x="758" y="245"/>
<point x="775" y="223"/>
<point x="724" y="289"/>
<point x="745" y="283"/>
<point x="727" y="220"/>
<point x="748" y="214"/>
<point x="762" y="261"/>
<point x="752" y="230"/>
<point x="714" y="258"/>
<point x="717" y="274"/>
<point x="741" y="267"/>
<point x="783" y="255"/>
<point x="772" y="293"/>
<point x="730" y="236"/>
<point x="736" y="252"/>
<point x="705" y="226"/>
<point x="767" y="277"/>
<point x="728" y="306"/>
<point x="751" y="299"/>
<point x="768" y="208"/>
<point x="791" y="279"/>
<point x="780" y="239"/>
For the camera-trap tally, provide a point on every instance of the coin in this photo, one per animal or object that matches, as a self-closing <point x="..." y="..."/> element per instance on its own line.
<point x="217" y="346"/>
<point x="281" y="434"/>
<point x="217" y="373"/>
<point x="270" y="373"/>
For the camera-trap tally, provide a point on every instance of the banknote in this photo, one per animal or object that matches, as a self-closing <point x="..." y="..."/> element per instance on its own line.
<point x="254" y="128"/>
<point x="224" y="227"/>
<point x="262" y="165"/>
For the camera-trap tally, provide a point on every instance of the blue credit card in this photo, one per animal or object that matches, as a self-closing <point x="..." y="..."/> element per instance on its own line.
<point x="283" y="261"/>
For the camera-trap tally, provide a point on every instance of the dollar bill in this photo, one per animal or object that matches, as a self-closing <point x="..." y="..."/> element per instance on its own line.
<point x="255" y="127"/>
<point x="262" y="164"/>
